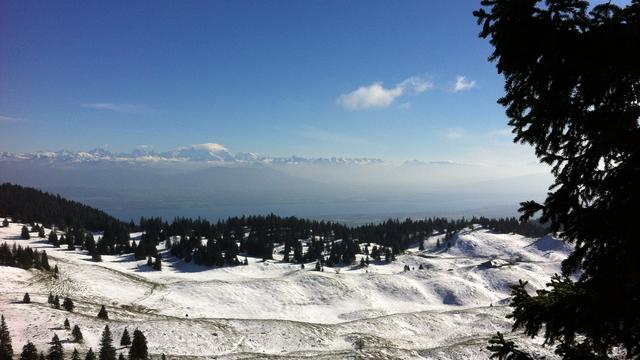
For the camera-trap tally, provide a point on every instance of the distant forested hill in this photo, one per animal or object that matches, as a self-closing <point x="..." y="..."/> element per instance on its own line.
<point x="30" y="205"/>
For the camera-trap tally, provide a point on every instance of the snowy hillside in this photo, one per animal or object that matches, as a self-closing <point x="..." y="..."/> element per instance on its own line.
<point x="447" y="310"/>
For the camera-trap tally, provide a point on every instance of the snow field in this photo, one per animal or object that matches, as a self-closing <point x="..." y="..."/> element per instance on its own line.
<point x="272" y="309"/>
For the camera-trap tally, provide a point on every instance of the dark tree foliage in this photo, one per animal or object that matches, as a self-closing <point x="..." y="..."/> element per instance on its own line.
<point x="44" y="261"/>
<point x="107" y="351"/>
<point x="67" y="326"/>
<point x="75" y="355"/>
<point x="220" y="244"/>
<point x="573" y="93"/>
<point x="125" y="340"/>
<point x="56" y="302"/>
<point x="138" y="350"/>
<point x="102" y="314"/>
<point x="26" y="299"/>
<point x="30" y="205"/>
<point x="121" y="357"/>
<point x="24" y="233"/>
<point x="90" y="355"/>
<point x="53" y="238"/>
<point x="6" y="350"/>
<point x="29" y="352"/>
<point x="503" y="349"/>
<point x="56" y="352"/>
<point x="77" y="334"/>
<point x="5" y="222"/>
<point x="157" y="264"/>
<point x="68" y="304"/>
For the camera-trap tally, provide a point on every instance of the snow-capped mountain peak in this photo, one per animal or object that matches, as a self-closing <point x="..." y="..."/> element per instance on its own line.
<point x="202" y="152"/>
<point x="206" y="152"/>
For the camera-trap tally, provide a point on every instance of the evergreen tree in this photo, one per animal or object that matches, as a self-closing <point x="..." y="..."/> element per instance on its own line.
<point x="67" y="326"/>
<point x="75" y="355"/>
<point x="571" y="91"/>
<point x="102" y="314"/>
<point x="56" y="352"/>
<point x="90" y="355"/>
<point x="26" y="299"/>
<point x="25" y="233"/>
<point x="6" y="350"/>
<point x="44" y="261"/>
<point x="5" y="223"/>
<point x="40" y="232"/>
<point x="77" y="334"/>
<point x="157" y="265"/>
<point x="53" y="239"/>
<point x="29" y="352"/>
<point x="42" y="357"/>
<point x="107" y="351"/>
<point x="121" y="356"/>
<point x="50" y="299"/>
<point x="56" y="302"/>
<point x="55" y="269"/>
<point x="125" y="340"/>
<point x="68" y="304"/>
<point x="163" y="357"/>
<point x="138" y="350"/>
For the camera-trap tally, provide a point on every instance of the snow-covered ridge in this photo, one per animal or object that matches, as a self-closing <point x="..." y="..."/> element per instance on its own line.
<point x="208" y="152"/>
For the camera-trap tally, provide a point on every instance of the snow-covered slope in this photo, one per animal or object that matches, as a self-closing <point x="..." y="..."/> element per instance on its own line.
<point x="268" y="309"/>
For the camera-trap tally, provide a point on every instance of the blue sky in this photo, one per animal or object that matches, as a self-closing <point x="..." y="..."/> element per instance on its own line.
<point x="310" y="78"/>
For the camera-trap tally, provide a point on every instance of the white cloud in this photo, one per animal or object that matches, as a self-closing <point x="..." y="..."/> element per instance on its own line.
<point x="416" y="84"/>
<point x="377" y="96"/>
<point x="120" y="108"/>
<point x="462" y="84"/>
<point x="372" y="96"/>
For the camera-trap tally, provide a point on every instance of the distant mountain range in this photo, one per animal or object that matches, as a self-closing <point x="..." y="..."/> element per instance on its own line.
<point x="208" y="153"/>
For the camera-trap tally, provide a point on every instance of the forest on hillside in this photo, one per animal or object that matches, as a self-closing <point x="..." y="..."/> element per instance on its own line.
<point x="221" y="243"/>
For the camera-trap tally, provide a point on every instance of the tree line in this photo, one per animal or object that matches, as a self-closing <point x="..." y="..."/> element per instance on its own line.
<point x="24" y="257"/>
<point x="221" y="243"/>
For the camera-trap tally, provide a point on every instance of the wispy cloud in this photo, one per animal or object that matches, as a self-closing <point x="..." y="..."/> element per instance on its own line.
<point x="7" y="119"/>
<point x="501" y="132"/>
<point x="119" y="108"/>
<point x="463" y="84"/>
<point x="377" y="96"/>
<point x="455" y="134"/>
<point x="311" y="132"/>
